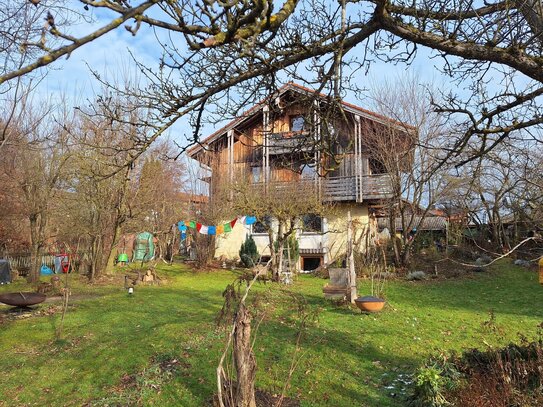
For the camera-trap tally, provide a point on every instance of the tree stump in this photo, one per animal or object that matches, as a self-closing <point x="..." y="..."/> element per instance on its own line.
<point x="244" y="360"/>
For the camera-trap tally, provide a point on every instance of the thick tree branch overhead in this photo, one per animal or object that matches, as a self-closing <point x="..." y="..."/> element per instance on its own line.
<point x="210" y="47"/>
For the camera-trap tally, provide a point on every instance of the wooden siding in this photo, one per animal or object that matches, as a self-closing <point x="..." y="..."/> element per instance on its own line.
<point x="287" y="151"/>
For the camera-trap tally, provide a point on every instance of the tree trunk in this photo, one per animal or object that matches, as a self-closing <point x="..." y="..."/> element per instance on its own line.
<point x="273" y="256"/>
<point x="34" y="273"/>
<point x="35" y="250"/>
<point x="244" y="360"/>
<point x="110" y="263"/>
<point x="350" y="258"/>
<point x="394" y="239"/>
<point x="280" y="253"/>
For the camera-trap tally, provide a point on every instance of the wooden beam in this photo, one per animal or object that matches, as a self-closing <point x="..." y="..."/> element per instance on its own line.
<point x="265" y="142"/>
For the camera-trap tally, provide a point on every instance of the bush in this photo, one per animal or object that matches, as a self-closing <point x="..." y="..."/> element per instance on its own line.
<point x="433" y="382"/>
<point x="248" y="252"/>
<point x="510" y="376"/>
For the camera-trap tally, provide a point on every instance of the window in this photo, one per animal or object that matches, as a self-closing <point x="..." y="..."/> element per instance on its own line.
<point x="312" y="223"/>
<point x="256" y="174"/>
<point x="262" y="226"/>
<point x="308" y="172"/>
<point x="297" y="123"/>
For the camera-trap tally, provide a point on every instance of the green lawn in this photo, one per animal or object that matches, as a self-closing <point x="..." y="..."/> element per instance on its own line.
<point x="346" y="358"/>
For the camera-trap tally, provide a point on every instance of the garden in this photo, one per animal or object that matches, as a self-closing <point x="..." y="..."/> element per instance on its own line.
<point x="161" y="345"/>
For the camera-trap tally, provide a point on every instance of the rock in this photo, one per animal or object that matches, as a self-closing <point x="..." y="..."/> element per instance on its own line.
<point x="522" y="263"/>
<point x="416" y="275"/>
<point x="483" y="259"/>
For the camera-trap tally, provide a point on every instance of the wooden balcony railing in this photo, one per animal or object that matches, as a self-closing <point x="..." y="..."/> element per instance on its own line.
<point x="375" y="186"/>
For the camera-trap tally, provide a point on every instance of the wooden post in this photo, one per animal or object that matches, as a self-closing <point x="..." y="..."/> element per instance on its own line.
<point x="230" y="139"/>
<point x="317" y="145"/>
<point x="350" y="253"/>
<point x="265" y="142"/>
<point x="230" y="136"/>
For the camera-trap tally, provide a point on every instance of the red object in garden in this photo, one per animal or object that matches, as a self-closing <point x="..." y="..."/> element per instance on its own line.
<point x="64" y="262"/>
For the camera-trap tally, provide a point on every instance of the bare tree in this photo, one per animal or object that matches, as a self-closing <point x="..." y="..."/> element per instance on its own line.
<point x="279" y="206"/>
<point x="213" y="51"/>
<point x="34" y="170"/>
<point x="410" y="155"/>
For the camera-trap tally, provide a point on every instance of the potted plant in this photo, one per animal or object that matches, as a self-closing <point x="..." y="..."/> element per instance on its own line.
<point x="376" y="301"/>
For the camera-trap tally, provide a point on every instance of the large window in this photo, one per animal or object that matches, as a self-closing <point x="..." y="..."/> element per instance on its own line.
<point x="297" y="123"/>
<point x="312" y="223"/>
<point x="308" y="172"/>
<point x="262" y="226"/>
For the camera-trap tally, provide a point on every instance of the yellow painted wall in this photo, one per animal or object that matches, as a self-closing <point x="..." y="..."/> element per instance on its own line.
<point x="228" y="244"/>
<point x="336" y="238"/>
<point x="337" y="227"/>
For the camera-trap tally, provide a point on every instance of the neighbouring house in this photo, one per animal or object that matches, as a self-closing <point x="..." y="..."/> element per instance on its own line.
<point x="296" y="136"/>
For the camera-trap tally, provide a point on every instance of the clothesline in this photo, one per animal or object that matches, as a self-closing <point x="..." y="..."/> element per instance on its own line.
<point x="213" y="230"/>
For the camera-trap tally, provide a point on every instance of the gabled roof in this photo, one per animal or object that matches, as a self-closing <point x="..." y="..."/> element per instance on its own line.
<point x="291" y="86"/>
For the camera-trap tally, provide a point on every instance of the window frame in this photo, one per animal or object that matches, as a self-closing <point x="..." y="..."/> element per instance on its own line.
<point x="293" y="118"/>
<point x="268" y="219"/>
<point x="312" y="231"/>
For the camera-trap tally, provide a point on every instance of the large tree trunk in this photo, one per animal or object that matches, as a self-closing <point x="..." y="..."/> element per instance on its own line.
<point x="273" y="255"/>
<point x="394" y="239"/>
<point x="37" y="232"/>
<point x="110" y="263"/>
<point x="244" y="360"/>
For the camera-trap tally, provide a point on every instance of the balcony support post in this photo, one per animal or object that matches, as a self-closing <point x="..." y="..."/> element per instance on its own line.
<point x="358" y="160"/>
<point x="265" y="144"/>
<point x="230" y="138"/>
<point x="317" y="145"/>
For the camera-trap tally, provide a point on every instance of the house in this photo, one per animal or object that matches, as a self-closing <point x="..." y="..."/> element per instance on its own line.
<point x="298" y="135"/>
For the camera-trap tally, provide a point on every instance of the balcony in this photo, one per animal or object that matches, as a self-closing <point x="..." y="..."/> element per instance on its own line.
<point x="375" y="186"/>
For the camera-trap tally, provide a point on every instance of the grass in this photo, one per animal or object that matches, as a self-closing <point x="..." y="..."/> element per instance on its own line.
<point x="346" y="358"/>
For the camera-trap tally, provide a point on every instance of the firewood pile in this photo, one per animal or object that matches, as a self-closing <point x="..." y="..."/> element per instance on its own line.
<point x="50" y="288"/>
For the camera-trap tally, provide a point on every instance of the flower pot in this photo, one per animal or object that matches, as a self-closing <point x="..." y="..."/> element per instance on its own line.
<point x="370" y="304"/>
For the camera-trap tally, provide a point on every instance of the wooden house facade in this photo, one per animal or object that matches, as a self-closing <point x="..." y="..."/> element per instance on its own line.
<point x="297" y="135"/>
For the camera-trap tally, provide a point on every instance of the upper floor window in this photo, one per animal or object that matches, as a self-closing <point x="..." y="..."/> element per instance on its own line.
<point x="308" y="172"/>
<point x="312" y="223"/>
<point x="297" y="123"/>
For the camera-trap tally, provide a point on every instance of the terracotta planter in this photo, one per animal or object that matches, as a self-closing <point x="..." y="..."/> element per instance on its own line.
<point x="370" y="304"/>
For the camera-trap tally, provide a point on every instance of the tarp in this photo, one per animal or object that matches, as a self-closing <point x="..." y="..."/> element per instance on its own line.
<point x="45" y="271"/>
<point x="61" y="259"/>
<point x="144" y="248"/>
<point x="5" y="272"/>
